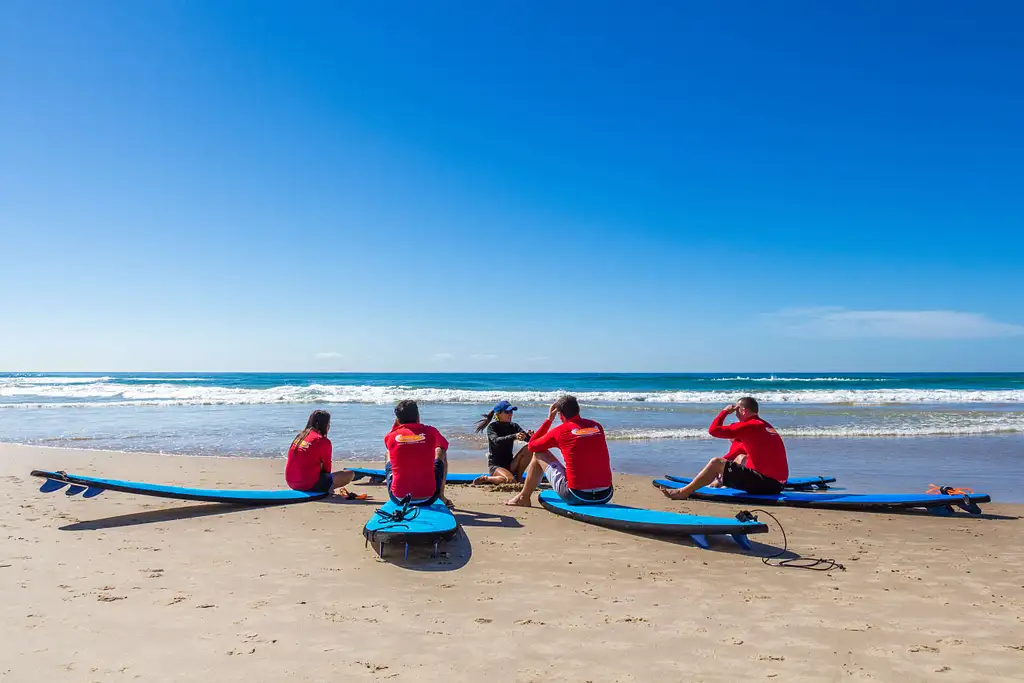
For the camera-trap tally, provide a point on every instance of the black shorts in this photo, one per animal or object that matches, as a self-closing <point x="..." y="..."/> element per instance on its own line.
<point x="324" y="484"/>
<point x="745" y="479"/>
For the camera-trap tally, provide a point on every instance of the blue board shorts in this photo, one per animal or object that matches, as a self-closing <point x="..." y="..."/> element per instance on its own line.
<point x="560" y="485"/>
<point x="439" y="474"/>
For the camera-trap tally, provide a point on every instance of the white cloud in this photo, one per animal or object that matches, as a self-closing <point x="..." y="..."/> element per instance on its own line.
<point x="484" y="356"/>
<point x="328" y="355"/>
<point x="442" y="357"/>
<point x="839" y="322"/>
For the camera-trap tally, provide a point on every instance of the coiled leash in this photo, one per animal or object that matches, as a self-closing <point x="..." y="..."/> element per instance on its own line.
<point x="817" y="564"/>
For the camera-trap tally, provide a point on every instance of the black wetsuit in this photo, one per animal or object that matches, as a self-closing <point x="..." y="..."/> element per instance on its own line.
<point x="501" y="441"/>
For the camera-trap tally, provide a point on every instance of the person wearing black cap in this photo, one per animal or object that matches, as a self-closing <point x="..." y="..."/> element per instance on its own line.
<point x="502" y="466"/>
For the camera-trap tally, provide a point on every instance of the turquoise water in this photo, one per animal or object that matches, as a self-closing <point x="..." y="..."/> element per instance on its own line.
<point x="883" y="432"/>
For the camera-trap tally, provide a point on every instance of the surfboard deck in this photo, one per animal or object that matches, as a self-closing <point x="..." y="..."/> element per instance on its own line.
<point x="836" y="501"/>
<point x="377" y="476"/>
<point x="793" y="483"/>
<point x="93" y="486"/>
<point x="421" y="524"/>
<point x="626" y="518"/>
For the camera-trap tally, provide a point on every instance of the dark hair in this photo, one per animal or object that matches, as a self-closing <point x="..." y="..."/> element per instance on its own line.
<point x="568" y="406"/>
<point x="407" y="412"/>
<point x="319" y="421"/>
<point x="748" y="403"/>
<point x="485" y="420"/>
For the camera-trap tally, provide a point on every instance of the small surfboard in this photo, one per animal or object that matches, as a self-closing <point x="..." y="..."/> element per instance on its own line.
<point x="410" y="524"/>
<point x="90" y="487"/>
<point x="625" y="518"/>
<point x="794" y="483"/>
<point x="938" y="504"/>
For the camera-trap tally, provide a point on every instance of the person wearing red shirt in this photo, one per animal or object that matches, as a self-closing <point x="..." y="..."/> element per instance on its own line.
<point x="309" y="458"/>
<point x="417" y="459"/>
<point x="756" y="462"/>
<point x="586" y="476"/>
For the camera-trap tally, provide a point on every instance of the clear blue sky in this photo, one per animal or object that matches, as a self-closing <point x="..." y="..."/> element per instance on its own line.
<point x="642" y="186"/>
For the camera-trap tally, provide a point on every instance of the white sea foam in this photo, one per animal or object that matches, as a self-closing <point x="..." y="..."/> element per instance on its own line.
<point x="976" y="427"/>
<point x="773" y="378"/>
<point x="113" y="392"/>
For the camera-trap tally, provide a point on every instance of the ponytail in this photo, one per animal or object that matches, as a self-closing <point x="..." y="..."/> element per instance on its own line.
<point x="484" y="421"/>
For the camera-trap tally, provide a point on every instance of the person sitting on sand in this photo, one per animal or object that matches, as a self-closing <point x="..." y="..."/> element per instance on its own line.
<point x="417" y="459"/>
<point x="502" y="433"/>
<point x="309" y="458"/>
<point x="756" y="462"/>
<point x="586" y="476"/>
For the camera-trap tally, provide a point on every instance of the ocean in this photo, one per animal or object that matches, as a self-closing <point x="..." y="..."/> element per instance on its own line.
<point x="877" y="432"/>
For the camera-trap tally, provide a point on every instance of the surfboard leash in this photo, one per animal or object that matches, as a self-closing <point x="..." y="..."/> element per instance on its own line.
<point x="817" y="564"/>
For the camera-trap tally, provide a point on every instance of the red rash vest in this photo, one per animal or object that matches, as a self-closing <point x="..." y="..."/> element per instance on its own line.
<point x="584" y="448"/>
<point x="758" y="440"/>
<point x="307" y="460"/>
<point x="411" y="449"/>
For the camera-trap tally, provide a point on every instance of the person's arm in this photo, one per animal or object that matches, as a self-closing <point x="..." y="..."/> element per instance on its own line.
<point x="542" y="440"/>
<point x="720" y="430"/>
<point x="440" y="444"/>
<point x="492" y="434"/>
<point x="737" y="449"/>
<point x="324" y="452"/>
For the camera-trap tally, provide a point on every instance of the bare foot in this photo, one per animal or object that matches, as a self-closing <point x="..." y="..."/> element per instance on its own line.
<point x="518" y="500"/>
<point x="482" y="479"/>
<point x="674" y="494"/>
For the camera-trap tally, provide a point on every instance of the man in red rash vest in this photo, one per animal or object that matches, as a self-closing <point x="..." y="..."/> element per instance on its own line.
<point x="417" y="460"/>
<point x="756" y="462"/>
<point x="586" y="476"/>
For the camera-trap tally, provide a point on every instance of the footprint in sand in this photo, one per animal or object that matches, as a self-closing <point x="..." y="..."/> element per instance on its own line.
<point x="176" y="599"/>
<point x="110" y="598"/>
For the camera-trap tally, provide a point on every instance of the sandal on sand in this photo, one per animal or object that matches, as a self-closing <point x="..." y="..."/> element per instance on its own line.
<point x="348" y="495"/>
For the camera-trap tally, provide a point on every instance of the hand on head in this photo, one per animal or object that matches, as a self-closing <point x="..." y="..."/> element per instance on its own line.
<point x="731" y="408"/>
<point x="553" y="411"/>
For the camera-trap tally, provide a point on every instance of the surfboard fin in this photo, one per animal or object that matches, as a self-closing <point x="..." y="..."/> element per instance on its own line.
<point x="74" y="490"/>
<point x="51" y="485"/>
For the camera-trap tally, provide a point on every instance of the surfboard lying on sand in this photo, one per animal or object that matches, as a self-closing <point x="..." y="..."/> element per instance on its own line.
<point x="410" y="524"/>
<point x="626" y="518"/>
<point x="377" y="476"/>
<point x="795" y="483"/>
<point x="938" y="504"/>
<point x="91" y="487"/>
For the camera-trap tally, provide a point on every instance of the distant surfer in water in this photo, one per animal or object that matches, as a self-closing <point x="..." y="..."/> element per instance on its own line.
<point x="309" y="458"/>
<point x="756" y="462"/>
<point x="502" y="434"/>
<point x="586" y="476"/>
<point x="417" y="460"/>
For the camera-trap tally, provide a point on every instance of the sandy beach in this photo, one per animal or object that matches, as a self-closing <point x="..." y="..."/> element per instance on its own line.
<point x="123" y="587"/>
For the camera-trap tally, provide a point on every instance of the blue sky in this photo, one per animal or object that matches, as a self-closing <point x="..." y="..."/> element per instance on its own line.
<point x="491" y="186"/>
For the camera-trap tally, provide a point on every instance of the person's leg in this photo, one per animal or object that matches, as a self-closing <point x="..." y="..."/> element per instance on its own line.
<point x="711" y="471"/>
<point x="343" y="478"/>
<point x="520" y="462"/>
<point x="740" y="459"/>
<point x="499" y="476"/>
<point x="534" y="473"/>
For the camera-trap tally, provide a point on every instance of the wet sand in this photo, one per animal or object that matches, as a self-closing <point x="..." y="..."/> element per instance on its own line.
<point x="124" y="587"/>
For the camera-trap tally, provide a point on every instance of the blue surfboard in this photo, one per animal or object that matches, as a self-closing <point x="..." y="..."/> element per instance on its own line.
<point x="93" y="486"/>
<point x="795" y="483"/>
<point x="836" y="501"/>
<point x="377" y="476"/>
<point x="626" y="518"/>
<point x="411" y="524"/>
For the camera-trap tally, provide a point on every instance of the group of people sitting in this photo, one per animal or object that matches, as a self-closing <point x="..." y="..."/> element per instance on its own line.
<point x="417" y="456"/>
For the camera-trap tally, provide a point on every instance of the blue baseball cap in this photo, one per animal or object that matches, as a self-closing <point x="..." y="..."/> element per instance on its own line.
<point x="504" y="407"/>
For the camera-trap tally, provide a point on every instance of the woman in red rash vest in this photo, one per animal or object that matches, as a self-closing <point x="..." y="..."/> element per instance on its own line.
<point x="309" y="458"/>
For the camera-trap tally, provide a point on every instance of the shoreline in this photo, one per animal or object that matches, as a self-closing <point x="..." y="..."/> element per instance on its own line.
<point x="101" y="587"/>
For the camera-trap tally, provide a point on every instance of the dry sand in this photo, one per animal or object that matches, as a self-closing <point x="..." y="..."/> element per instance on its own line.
<point x="123" y="587"/>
